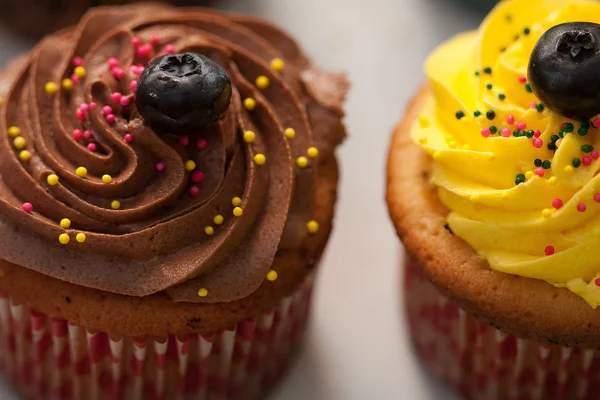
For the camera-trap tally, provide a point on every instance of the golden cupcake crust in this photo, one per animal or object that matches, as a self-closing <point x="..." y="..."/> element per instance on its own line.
<point x="529" y="308"/>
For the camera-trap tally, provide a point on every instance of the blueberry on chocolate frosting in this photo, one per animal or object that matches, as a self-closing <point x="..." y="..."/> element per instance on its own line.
<point x="564" y="70"/>
<point x="182" y="93"/>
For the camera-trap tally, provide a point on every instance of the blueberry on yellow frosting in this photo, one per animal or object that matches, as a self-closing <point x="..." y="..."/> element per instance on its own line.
<point x="564" y="70"/>
<point x="182" y="93"/>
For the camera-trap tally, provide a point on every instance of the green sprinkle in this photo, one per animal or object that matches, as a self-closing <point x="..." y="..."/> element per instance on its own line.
<point x="537" y="162"/>
<point x="493" y="129"/>
<point x="508" y="18"/>
<point x="530" y="133"/>
<point x="528" y="88"/>
<point x="561" y="133"/>
<point x="517" y="37"/>
<point x="554" y="138"/>
<point x="568" y="127"/>
<point x="582" y="131"/>
<point x="520" y="179"/>
<point x="516" y="133"/>
<point x="502" y="96"/>
<point x="546" y="164"/>
<point x="527" y="31"/>
<point x="487" y="70"/>
<point x="502" y="49"/>
<point x="552" y="146"/>
<point x="477" y="113"/>
<point x="585" y="124"/>
<point x="539" y="107"/>
<point x="576" y="162"/>
<point x="460" y="115"/>
<point x="489" y="86"/>
<point x="587" y="148"/>
<point x="491" y="114"/>
<point x="477" y="73"/>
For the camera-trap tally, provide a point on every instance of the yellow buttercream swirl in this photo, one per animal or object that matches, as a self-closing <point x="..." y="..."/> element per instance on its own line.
<point x="547" y="227"/>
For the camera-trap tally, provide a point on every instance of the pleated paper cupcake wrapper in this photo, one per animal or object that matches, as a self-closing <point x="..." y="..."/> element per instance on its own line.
<point x="483" y="363"/>
<point x="45" y="358"/>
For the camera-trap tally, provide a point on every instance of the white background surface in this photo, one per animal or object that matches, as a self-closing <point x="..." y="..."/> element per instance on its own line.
<point x="357" y="347"/>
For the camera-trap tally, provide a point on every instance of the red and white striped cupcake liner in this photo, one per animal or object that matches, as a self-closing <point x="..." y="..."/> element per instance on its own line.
<point x="482" y="362"/>
<point x="45" y="358"/>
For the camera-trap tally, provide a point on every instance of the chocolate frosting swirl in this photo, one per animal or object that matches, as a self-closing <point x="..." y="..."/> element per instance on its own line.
<point x="156" y="238"/>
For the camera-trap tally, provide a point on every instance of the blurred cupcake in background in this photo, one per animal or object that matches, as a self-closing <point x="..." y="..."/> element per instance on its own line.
<point x="35" y="18"/>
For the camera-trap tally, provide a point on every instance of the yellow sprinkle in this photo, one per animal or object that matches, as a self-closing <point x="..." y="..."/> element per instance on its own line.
<point x="302" y="162"/>
<point x="80" y="237"/>
<point x="249" y="103"/>
<point x="568" y="168"/>
<point x="277" y="64"/>
<point x="106" y="178"/>
<point x="19" y="142"/>
<point x="51" y="88"/>
<point x="64" y="238"/>
<point x="209" y="230"/>
<point x="466" y="147"/>
<point x="65" y="223"/>
<point x="190" y="165"/>
<point x="202" y="292"/>
<point x="423" y="122"/>
<point x="14" y="131"/>
<point x="452" y="144"/>
<point x="79" y="71"/>
<point x="218" y="219"/>
<point x="236" y="201"/>
<point x="289" y="133"/>
<point x="81" y="172"/>
<point x="262" y="82"/>
<point x="473" y="198"/>
<point x="312" y="226"/>
<point x="423" y="140"/>
<point x="238" y="212"/>
<point x="504" y="195"/>
<point x="272" y="275"/>
<point x="260" y="159"/>
<point x="52" y="179"/>
<point x="436" y="155"/>
<point x="546" y="212"/>
<point x="24" y="155"/>
<point x="552" y="180"/>
<point x="529" y="175"/>
<point x="492" y="156"/>
<point x="249" y="136"/>
<point x="115" y="204"/>
<point x="67" y="84"/>
<point x="313" y="152"/>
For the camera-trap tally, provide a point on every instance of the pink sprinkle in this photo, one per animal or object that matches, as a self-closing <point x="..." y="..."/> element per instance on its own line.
<point x="194" y="191"/>
<point x="125" y="101"/>
<point x="597" y="281"/>
<point x="557" y="203"/>
<point x="77" y="134"/>
<point x="595" y="154"/>
<point x="155" y="39"/>
<point x="597" y="197"/>
<point x="144" y="50"/>
<point x="581" y="207"/>
<point x="135" y="41"/>
<point x="92" y="105"/>
<point x="77" y="61"/>
<point x="80" y="115"/>
<point x="505" y="132"/>
<point x="75" y="78"/>
<point x="537" y="133"/>
<point x="116" y="97"/>
<point x="170" y="49"/>
<point x="521" y="125"/>
<point x="596" y="123"/>
<point x="91" y="146"/>
<point x="113" y="62"/>
<point x="510" y="119"/>
<point x="132" y="86"/>
<point x="184" y="141"/>
<point x="84" y="107"/>
<point x="533" y="104"/>
<point x="110" y="118"/>
<point x="87" y="134"/>
<point x="197" y="176"/>
<point x="201" y="144"/>
<point x="118" y="72"/>
<point x="160" y="167"/>
<point x="537" y="142"/>
<point x="549" y="250"/>
<point x="539" y="172"/>
<point x="107" y="110"/>
<point x="128" y="137"/>
<point x="485" y="132"/>
<point x="562" y="125"/>
<point x="522" y="79"/>
<point x="586" y="160"/>
<point x="27" y="207"/>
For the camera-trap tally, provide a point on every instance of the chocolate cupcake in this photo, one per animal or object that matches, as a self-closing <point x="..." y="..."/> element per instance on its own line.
<point x="36" y="18"/>
<point x="493" y="187"/>
<point x="168" y="187"/>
